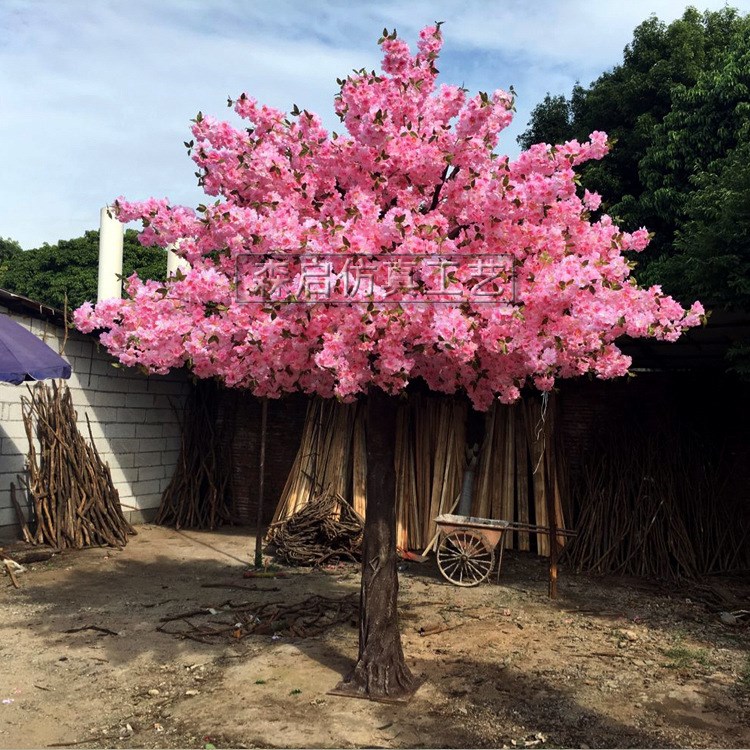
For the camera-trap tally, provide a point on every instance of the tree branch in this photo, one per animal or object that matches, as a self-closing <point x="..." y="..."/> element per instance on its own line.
<point x="456" y="231"/>
<point x="436" y="194"/>
<point x="387" y="208"/>
<point x="438" y="188"/>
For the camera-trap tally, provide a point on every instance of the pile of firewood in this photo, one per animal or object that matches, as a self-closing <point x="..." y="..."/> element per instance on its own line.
<point x="325" y="529"/>
<point x="73" y="500"/>
<point x="199" y="494"/>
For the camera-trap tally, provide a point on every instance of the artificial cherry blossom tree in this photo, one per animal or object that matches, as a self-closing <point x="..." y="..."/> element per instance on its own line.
<point x="348" y="265"/>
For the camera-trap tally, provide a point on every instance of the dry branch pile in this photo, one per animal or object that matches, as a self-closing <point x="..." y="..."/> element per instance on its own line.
<point x="652" y="504"/>
<point x="236" y="621"/>
<point x="74" y="502"/>
<point x="199" y="494"/>
<point x="325" y="529"/>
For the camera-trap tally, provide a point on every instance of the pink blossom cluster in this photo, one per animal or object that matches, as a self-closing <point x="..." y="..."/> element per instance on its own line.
<point x="415" y="174"/>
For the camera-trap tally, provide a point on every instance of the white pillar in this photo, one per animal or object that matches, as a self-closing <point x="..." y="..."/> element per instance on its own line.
<point x="175" y="262"/>
<point x="111" y="233"/>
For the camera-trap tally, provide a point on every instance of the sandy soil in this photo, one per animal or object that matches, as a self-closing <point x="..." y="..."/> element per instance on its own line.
<point x="611" y="663"/>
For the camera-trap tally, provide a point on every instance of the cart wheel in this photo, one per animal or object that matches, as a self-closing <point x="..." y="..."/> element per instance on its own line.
<point x="465" y="558"/>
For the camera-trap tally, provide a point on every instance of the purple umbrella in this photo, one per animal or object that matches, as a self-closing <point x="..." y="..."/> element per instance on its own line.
<point x="24" y="356"/>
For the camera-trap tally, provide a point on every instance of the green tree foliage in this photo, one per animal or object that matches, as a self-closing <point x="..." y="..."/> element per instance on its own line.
<point x="551" y="122"/>
<point x="70" y="267"/>
<point x="678" y="109"/>
<point x="698" y="155"/>
<point x="710" y="256"/>
<point x="9" y="249"/>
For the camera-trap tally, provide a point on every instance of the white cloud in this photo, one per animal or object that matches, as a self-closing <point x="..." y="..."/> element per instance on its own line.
<point x="96" y="98"/>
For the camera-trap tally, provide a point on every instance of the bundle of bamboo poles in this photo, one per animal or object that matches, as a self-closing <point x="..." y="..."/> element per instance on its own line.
<point x="408" y="515"/>
<point x="325" y="458"/>
<point x="438" y="445"/>
<point x="653" y="504"/>
<point x="548" y="470"/>
<point x="359" y="464"/>
<point x="199" y="494"/>
<point x="74" y="502"/>
<point x="494" y="495"/>
<point x="429" y="462"/>
<point x="520" y="460"/>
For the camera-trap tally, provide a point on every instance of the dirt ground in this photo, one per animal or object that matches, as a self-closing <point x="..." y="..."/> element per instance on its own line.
<point x="611" y="663"/>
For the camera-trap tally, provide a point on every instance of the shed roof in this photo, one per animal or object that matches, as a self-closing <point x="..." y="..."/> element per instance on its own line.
<point x="19" y="304"/>
<point x="697" y="349"/>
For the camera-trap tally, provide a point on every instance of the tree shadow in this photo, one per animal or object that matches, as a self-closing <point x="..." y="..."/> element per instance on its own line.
<point x="12" y="457"/>
<point x="469" y="700"/>
<point x="674" y="607"/>
<point x="128" y="592"/>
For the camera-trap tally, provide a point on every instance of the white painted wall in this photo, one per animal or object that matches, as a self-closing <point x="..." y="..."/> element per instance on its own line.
<point x="134" y="426"/>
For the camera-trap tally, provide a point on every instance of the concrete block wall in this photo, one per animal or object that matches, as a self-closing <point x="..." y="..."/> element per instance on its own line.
<point x="132" y="420"/>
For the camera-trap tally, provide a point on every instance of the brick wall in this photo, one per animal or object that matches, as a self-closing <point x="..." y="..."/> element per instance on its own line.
<point x="286" y="420"/>
<point x="710" y="405"/>
<point x="132" y="421"/>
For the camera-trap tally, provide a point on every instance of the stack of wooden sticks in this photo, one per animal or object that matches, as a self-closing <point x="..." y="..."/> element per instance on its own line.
<point x="199" y="495"/>
<point x="74" y="502"/>
<point x="657" y="504"/>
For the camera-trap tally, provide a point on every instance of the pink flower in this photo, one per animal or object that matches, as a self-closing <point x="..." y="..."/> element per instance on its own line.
<point x="417" y="177"/>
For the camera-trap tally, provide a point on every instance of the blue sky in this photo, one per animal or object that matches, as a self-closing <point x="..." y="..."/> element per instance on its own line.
<point x="96" y="98"/>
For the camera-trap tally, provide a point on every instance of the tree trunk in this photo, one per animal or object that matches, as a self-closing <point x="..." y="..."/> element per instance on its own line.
<point x="381" y="672"/>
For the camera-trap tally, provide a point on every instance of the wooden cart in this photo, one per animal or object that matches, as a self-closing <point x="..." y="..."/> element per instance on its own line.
<point x="466" y="553"/>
